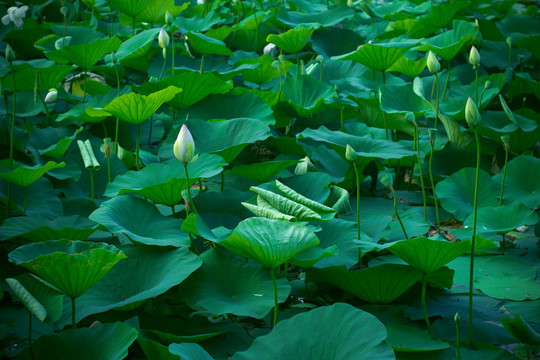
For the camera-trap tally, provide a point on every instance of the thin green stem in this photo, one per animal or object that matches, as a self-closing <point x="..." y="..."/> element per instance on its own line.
<point x="447" y="80"/>
<point x="222" y="181"/>
<point x="11" y="136"/>
<point x="424" y="308"/>
<point x="201" y="70"/>
<point x="91" y="185"/>
<point x="172" y="210"/>
<point x="504" y="176"/>
<point x="385" y="126"/>
<point x="172" y="50"/>
<point x="84" y="88"/>
<point x="133" y="27"/>
<point x="476" y="86"/>
<point x="25" y="200"/>
<point x="357" y="199"/>
<point x="200" y="185"/>
<point x="137" y="147"/>
<point x="433" y="186"/>
<point x="273" y="276"/>
<point x="394" y="195"/>
<point x="73" y="323"/>
<point x="109" y="168"/>
<point x="473" y="241"/>
<point x="29" y="329"/>
<point x="191" y="203"/>
<point x="417" y="140"/>
<point x="150" y="132"/>
<point x="117" y="120"/>
<point x="384" y="77"/>
<point x="457" y="341"/>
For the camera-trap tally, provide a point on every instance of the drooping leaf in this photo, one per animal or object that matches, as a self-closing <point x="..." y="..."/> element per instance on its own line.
<point x="24" y="175"/>
<point x="521" y="331"/>
<point x="189" y="351"/>
<point x="133" y="52"/>
<point x="327" y="18"/>
<point x="263" y="171"/>
<point x="140" y="221"/>
<point x="343" y="332"/>
<point x="206" y="45"/>
<point x="227" y="284"/>
<point x="269" y="242"/>
<point x="71" y="266"/>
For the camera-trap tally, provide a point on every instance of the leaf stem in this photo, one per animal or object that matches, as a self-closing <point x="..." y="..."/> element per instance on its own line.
<point x="191" y="203"/>
<point x="504" y="176"/>
<point x="91" y="185"/>
<point x="394" y="195"/>
<point x="437" y="101"/>
<point x="137" y="146"/>
<point x="433" y="185"/>
<point x="275" y="317"/>
<point x="12" y="136"/>
<point x="357" y="199"/>
<point x="417" y="141"/>
<point x="117" y="120"/>
<point x="476" y="86"/>
<point x="447" y="80"/>
<point x="473" y="241"/>
<point x="424" y="308"/>
<point x="73" y="323"/>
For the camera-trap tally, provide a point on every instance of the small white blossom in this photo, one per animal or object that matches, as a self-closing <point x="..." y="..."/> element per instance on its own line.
<point x="200" y="2"/>
<point x="15" y="14"/>
<point x="270" y="49"/>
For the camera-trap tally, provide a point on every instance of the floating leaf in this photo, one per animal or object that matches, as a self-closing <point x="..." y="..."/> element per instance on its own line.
<point x="140" y="221"/>
<point x="269" y="242"/>
<point x="405" y="338"/>
<point x="342" y="332"/>
<point x="227" y="284"/>
<point x="502" y="218"/>
<point x="71" y="266"/>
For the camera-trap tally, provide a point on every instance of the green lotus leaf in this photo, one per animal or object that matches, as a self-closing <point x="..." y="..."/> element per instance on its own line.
<point x="447" y="44"/>
<point x="306" y="94"/>
<point x="164" y="182"/>
<point x="42" y="301"/>
<point x="405" y="338"/>
<point x="72" y="266"/>
<point x="195" y="87"/>
<point x="360" y="336"/>
<point x="135" y="109"/>
<point x="438" y="17"/>
<point x="39" y="199"/>
<point x="133" y="52"/>
<point x="227" y="284"/>
<point x="264" y="72"/>
<point x="269" y="242"/>
<point x="154" y="13"/>
<point x="312" y="256"/>
<point x="47" y="78"/>
<point x="140" y="221"/>
<point x="229" y="137"/>
<point x="323" y="41"/>
<point x="189" y="351"/>
<point x="38" y="229"/>
<point x="521" y="331"/>
<point x="224" y="107"/>
<point x="130" y="7"/>
<point x="378" y="57"/>
<point x="409" y="67"/>
<point x="429" y="255"/>
<point x="503" y="218"/>
<point x="24" y="175"/>
<point x="327" y="18"/>
<point x="87" y="55"/>
<point x="108" y="341"/>
<point x="380" y="284"/>
<point x="154" y="350"/>
<point x="456" y="193"/>
<point x="263" y="171"/>
<point x="402" y="99"/>
<point x="293" y="40"/>
<point x="522" y="183"/>
<point x="147" y="272"/>
<point x="200" y="24"/>
<point x="206" y="45"/>
<point x="53" y="142"/>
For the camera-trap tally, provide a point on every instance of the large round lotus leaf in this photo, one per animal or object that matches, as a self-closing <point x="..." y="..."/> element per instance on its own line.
<point x="402" y="99"/>
<point x="25" y="176"/>
<point x="405" y="338"/>
<point x="324" y="41"/>
<point x="163" y="183"/>
<point x="154" y="350"/>
<point x="294" y="40"/>
<point x="380" y="284"/>
<point x="449" y="43"/>
<point x="36" y="228"/>
<point x="85" y="55"/>
<point x="503" y="218"/>
<point x="262" y="171"/>
<point x="147" y="272"/>
<point x="108" y="341"/>
<point x="189" y="351"/>
<point x="379" y="56"/>
<point x="269" y="242"/>
<point x="338" y="332"/>
<point x="324" y="18"/>
<point x="522" y="183"/>
<point x="206" y="45"/>
<point x="129" y="7"/>
<point x="141" y="221"/>
<point x="456" y="193"/>
<point x="340" y="233"/>
<point x="228" y="137"/>
<point x="71" y="266"/>
<point x="227" y="284"/>
<point x="306" y="94"/>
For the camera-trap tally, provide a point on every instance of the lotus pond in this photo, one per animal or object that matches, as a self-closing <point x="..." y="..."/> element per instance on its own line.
<point x="255" y="179"/>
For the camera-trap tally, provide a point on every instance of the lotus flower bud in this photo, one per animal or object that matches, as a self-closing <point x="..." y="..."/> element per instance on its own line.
<point x="456" y="318"/>
<point x="52" y="96"/>
<point x="507" y="111"/>
<point x="509" y="41"/>
<point x="474" y="57"/>
<point x="488" y="85"/>
<point x="168" y="18"/>
<point x="270" y="49"/>
<point x="350" y="154"/>
<point x="10" y="54"/>
<point x="387" y="180"/>
<point x="163" y="38"/>
<point x="432" y="63"/>
<point x="64" y="10"/>
<point x="164" y="52"/>
<point x="200" y="2"/>
<point x="184" y="146"/>
<point x="506" y="142"/>
<point x="472" y="115"/>
<point x="114" y="59"/>
<point x="304" y="166"/>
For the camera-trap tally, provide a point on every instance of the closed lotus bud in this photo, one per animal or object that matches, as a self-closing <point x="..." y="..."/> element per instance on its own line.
<point x="10" y="54"/>
<point x="114" y="59"/>
<point x="164" y="52"/>
<point x="163" y="38"/>
<point x="387" y="180"/>
<point x="472" y="115"/>
<point x="184" y="146"/>
<point x="456" y="317"/>
<point x="64" y="10"/>
<point x="432" y="63"/>
<point x="474" y="57"/>
<point x="168" y="18"/>
<point x="350" y="154"/>
<point x="52" y="96"/>
<point x="488" y="85"/>
<point x="509" y="41"/>
<point x="304" y="166"/>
